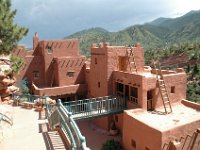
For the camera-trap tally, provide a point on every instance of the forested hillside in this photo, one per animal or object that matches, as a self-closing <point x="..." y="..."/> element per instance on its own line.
<point x="158" y="34"/>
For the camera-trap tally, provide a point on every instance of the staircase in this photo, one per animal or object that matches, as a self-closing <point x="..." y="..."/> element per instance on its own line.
<point x="131" y="59"/>
<point x="59" y="117"/>
<point x="163" y="90"/>
<point x="190" y="142"/>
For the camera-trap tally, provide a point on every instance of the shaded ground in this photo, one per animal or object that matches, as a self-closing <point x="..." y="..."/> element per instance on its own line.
<point x="95" y="136"/>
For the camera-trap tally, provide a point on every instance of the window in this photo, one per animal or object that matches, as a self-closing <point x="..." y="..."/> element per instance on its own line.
<point x="70" y="73"/>
<point x="173" y="89"/>
<point x="119" y="87"/>
<point x="50" y="50"/>
<point x="95" y="60"/>
<point x="133" y="143"/>
<point x="122" y="63"/>
<point x="134" y="95"/>
<point x="36" y="74"/>
<point x="99" y="84"/>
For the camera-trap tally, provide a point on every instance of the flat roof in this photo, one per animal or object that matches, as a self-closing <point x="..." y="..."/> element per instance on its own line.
<point x="181" y="115"/>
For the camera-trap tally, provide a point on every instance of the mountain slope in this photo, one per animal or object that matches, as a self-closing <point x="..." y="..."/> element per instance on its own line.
<point x="159" y="21"/>
<point x="155" y="34"/>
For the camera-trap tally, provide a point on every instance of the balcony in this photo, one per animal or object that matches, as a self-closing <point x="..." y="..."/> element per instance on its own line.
<point x="63" y="90"/>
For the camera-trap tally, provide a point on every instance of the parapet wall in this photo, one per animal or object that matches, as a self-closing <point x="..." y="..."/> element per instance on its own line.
<point x="61" y="48"/>
<point x="191" y="104"/>
<point x="137" y="135"/>
<point x="166" y="72"/>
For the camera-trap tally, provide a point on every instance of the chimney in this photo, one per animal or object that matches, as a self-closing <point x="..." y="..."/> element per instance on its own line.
<point x="35" y="41"/>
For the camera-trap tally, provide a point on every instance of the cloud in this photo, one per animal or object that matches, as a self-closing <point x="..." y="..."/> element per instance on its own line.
<point x="55" y="19"/>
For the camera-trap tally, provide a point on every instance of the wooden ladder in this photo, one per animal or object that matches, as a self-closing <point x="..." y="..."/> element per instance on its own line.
<point x="131" y="59"/>
<point x="192" y="141"/>
<point x="189" y="142"/>
<point x="163" y="90"/>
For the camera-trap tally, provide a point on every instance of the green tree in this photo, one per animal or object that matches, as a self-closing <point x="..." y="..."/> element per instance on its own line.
<point x="10" y="32"/>
<point x="16" y="64"/>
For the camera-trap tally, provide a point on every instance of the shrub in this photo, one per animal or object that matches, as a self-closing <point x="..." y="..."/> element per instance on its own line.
<point x="112" y="145"/>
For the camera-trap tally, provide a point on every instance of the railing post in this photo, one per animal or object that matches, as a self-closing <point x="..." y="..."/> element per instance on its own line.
<point x="59" y="102"/>
<point x="108" y="105"/>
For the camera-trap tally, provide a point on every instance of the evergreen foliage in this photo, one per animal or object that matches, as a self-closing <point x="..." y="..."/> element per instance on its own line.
<point x="24" y="87"/>
<point x="112" y="145"/>
<point x="16" y="64"/>
<point x="10" y="32"/>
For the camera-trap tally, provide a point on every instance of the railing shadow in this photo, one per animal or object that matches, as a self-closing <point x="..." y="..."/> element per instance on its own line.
<point x="157" y="112"/>
<point x="52" y="138"/>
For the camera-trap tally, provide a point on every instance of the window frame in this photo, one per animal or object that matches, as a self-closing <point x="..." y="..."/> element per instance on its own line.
<point x="172" y="90"/>
<point x="70" y="74"/>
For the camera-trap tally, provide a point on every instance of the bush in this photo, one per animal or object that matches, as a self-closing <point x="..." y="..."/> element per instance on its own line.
<point x="193" y="92"/>
<point x="112" y="145"/>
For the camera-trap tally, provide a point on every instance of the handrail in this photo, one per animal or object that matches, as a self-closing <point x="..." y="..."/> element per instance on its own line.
<point x="69" y="126"/>
<point x="90" y="99"/>
<point x="189" y="145"/>
<point x="29" y="97"/>
<point x="65" y="126"/>
<point x="186" y="140"/>
<point x="73" y="126"/>
<point x="95" y="107"/>
<point x="166" y="144"/>
<point x="6" y="119"/>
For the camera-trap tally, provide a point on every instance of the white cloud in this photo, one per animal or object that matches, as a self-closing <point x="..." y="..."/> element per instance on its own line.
<point x="184" y="6"/>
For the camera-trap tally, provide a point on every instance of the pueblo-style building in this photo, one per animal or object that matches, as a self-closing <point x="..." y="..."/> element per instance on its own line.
<point x="156" y="110"/>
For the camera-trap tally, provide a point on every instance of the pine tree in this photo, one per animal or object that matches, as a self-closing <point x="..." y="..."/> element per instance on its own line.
<point x="10" y="32"/>
<point x="17" y="64"/>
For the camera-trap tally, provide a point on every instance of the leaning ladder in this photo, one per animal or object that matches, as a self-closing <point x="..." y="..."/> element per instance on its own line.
<point x="131" y="59"/>
<point x="163" y="90"/>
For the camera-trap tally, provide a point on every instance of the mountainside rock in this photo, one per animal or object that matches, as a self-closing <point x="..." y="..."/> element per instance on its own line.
<point x="7" y="80"/>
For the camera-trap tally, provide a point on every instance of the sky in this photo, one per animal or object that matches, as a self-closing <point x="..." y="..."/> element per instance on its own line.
<point x="56" y="19"/>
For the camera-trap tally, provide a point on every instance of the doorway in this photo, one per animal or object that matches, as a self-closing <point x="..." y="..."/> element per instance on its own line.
<point x="122" y="63"/>
<point x="150" y="100"/>
<point x="126" y="92"/>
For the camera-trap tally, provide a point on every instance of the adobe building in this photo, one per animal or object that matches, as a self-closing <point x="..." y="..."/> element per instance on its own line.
<point x="54" y="68"/>
<point x="157" y="113"/>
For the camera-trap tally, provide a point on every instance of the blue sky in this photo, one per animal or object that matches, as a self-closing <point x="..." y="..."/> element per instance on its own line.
<point x="55" y="19"/>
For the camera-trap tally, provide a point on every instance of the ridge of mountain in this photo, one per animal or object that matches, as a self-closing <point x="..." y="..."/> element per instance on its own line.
<point x="152" y="35"/>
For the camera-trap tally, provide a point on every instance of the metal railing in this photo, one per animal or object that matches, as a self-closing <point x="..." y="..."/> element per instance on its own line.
<point x="60" y="116"/>
<point x="20" y="98"/>
<point x="94" y="107"/>
<point x="5" y="118"/>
